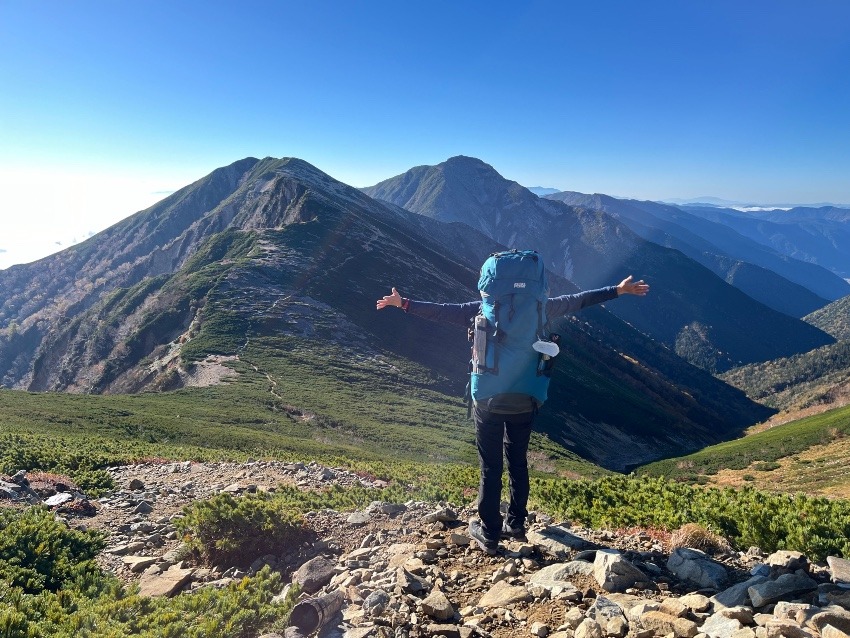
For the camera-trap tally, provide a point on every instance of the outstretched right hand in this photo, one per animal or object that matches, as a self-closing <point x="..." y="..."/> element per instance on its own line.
<point x="390" y="300"/>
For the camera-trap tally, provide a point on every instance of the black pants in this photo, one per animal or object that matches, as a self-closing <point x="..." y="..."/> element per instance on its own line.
<point x="495" y="433"/>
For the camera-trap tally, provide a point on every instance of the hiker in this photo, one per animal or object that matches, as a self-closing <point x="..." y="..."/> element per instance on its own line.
<point x="510" y="374"/>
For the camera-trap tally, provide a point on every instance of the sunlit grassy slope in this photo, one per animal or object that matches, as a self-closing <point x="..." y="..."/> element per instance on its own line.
<point x="811" y="455"/>
<point x="276" y="408"/>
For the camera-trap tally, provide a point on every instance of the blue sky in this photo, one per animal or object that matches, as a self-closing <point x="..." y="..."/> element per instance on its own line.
<point x="106" y="106"/>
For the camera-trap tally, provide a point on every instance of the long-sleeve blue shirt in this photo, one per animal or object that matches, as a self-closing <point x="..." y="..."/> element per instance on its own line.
<point x="462" y="313"/>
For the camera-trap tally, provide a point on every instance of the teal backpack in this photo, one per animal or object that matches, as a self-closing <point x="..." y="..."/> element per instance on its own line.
<point x="514" y="290"/>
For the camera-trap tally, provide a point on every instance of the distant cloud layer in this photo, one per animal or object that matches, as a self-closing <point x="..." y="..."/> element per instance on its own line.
<point x="3" y="250"/>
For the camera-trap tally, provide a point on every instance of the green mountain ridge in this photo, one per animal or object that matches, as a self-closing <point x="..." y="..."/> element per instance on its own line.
<point x="833" y="319"/>
<point x="820" y="377"/>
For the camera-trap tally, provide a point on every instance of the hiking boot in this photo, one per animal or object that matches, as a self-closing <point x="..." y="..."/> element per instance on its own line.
<point x="487" y="545"/>
<point x="513" y="533"/>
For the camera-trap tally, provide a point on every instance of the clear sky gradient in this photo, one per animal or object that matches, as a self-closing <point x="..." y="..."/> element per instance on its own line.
<point x="105" y="107"/>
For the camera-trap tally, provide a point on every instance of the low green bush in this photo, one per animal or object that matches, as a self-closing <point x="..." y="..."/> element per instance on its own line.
<point x="51" y="587"/>
<point x="766" y="466"/>
<point x="39" y="553"/>
<point x="93" y="483"/>
<point x="243" y="609"/>
<point x="227" y="530"/>
<point x="817" y="527"/>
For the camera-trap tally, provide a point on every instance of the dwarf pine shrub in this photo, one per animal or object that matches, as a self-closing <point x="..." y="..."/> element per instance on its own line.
<point x="38" y="553"/>
<point x="817" y="527"/>
<point x="227" y="530"/>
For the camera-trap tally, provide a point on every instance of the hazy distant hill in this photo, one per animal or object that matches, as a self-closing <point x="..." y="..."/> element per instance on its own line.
<point x="816" y="235"/>
<point x="274" y="265"/>
<point x="673" y="228"/>
<point x="542" y="191"/>
<point x="707" y="321"/>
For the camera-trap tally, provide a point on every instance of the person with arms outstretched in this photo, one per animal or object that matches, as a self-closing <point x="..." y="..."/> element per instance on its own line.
<point x="510" y="372"/>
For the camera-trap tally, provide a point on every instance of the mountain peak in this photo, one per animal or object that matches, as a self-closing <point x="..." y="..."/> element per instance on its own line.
<point x="463" y="166"/>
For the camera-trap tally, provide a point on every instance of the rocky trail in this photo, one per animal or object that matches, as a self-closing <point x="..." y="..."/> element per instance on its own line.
<point x="410" y="570"/>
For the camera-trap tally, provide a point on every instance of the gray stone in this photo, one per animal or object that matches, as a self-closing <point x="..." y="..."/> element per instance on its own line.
<point x="359" y="518"/>
<point x="663" y="624"/>
<point x="839" y="569"/>
<point x="437" y="606"/>
<point x="719" y="626"/>
<point x="314" y="574"/>
<point x="166" y="583"/>
<point x="604" y="609"/>
<point x="840" y="598"/>
<point x="557" y="541"/>
<point x="135" y="484"/>
<point x="557" y="575"/>
<point x="760" y="570"/>
<point x="139" y="563"/>
<point x="774" y="590"/>
<point x="696" y="567"/>
<point x="785" y="559"/>
<point x="614" y="573"/>
<point x="589" y="628"/>
<point x="736" y="595"/>
<point x="376" y="603"/>
<point x="832" y="632"/>
<point x="442" y="515"/>
<point x="696" y="602"/>
<point x="12" y="488"/>
<point x="786" y="629"/>
<point x="390" y="509"/>
<point x="838" y="618"/>
<point x="58" y="499"/>
<point x="502" y="594"/>
<point x="143" y="508"/>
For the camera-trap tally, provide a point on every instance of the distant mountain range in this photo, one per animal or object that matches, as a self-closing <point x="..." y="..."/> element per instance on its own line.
<point x="703" y="318"/>
<point x="728" y="203"/>
<point x="272" y="260"/>
<point x="777" y="280"/>
<point x="815" y="235"/>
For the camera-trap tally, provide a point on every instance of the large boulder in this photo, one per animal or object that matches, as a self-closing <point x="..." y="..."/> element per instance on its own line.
<point x="697" y="568"/>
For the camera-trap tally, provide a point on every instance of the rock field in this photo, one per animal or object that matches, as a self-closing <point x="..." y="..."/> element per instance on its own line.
<point x="410" y="570"/>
